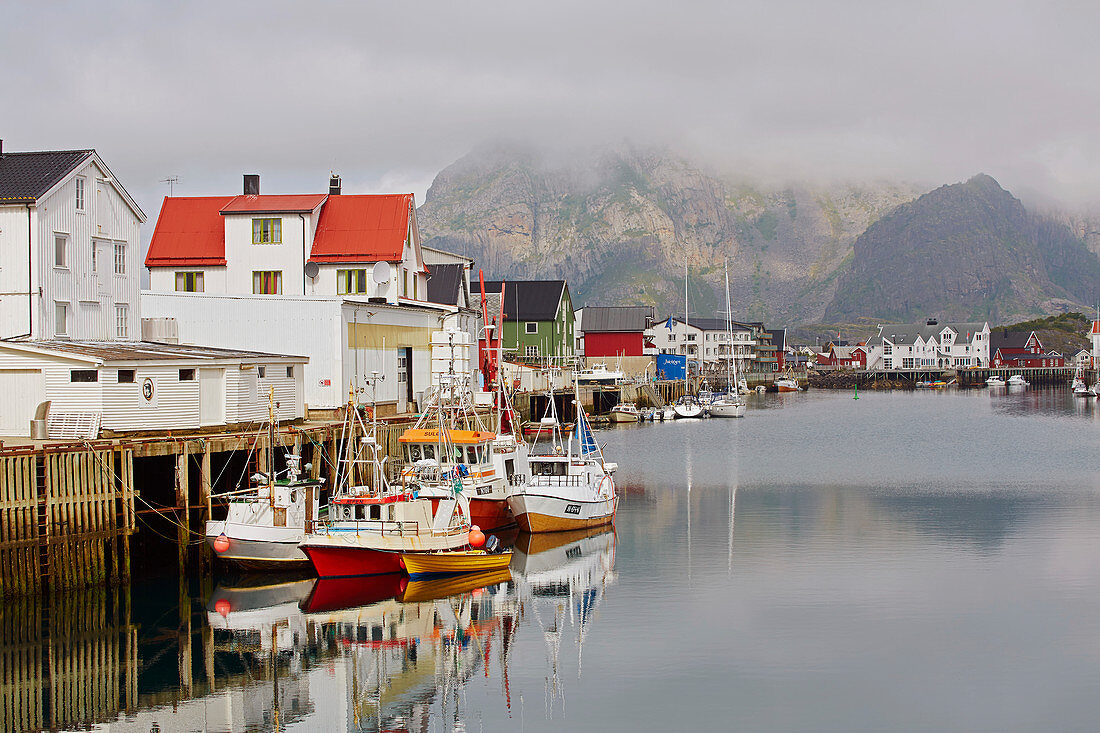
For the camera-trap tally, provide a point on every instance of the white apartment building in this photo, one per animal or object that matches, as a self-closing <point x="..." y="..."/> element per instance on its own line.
<point x="706" y="340"/>
<point x="929" y="345"/>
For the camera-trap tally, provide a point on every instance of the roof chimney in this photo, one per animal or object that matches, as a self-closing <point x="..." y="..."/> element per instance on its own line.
<point x="251" y="184"/>
<point x="1" y="147"/>
<point x="334" y="185"/>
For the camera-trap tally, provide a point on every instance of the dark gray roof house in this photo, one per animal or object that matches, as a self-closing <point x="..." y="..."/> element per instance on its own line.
<point x="616" y="319"/>
<point x="447" y="285"/>
<point x="529" y="300"/>
<point x="26" y="177"/>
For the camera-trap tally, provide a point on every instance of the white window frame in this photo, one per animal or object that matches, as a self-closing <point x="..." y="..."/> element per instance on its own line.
<point x="530" y="327"/>
<point x="531" y="351"/>
<point x="61" y="251"/>
<point x="81" y="193"/>
<point x="61" y="316"/>
<point x="122" y="320"/>
<point x="120" y="258"/>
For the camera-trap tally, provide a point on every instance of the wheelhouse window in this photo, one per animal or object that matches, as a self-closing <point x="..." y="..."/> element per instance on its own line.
<point x="267" y="282"/>
<point x="351" y="282"/>
<point x="84" y="375"/>
<point x="267" y="231"/>
<point x="189" y="282"/>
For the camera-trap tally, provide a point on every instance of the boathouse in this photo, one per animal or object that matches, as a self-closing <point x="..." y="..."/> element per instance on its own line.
<point x="85" y="389"/>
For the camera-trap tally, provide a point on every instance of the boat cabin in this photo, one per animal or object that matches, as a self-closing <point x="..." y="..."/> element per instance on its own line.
<point x="470" y="447"/>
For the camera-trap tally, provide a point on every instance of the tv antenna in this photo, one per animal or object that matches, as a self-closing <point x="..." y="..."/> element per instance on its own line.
<point x="171" y="181"/>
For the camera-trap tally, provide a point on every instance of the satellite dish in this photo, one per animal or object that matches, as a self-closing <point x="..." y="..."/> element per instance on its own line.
<point x="381" y="272"/>
<point x="312" y="269"/>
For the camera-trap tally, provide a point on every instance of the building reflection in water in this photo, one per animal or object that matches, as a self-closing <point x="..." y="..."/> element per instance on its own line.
<point x="265" y="652"/>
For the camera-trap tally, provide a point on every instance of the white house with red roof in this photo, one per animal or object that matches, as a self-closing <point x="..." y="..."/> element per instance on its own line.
<point x="308" y="244"/>
<point x="338" y="278"/>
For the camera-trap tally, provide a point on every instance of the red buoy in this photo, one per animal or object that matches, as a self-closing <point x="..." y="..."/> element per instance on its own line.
<point x="221" y="544"/>
<point x="222" y="605"/>
<point x="476" y="538"/>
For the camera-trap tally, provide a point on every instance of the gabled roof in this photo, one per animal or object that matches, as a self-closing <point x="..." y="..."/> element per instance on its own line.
<point x="445" y="283"/>
<point x="1004" y="339"/>
<point x="189" y="232"/>
<point x="362" y="228"/>
<point x="902" y="334"/>
<point x="529" y="300"/>
<point x="277" y="204"/>
<point x="601" y="319"/>
<point x="779" y="337"/>
<point x="24" y="177"/>
<point x="715" y="324"/>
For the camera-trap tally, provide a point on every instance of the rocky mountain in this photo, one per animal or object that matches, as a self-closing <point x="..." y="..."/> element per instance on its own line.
<point x="620" y="223"/>
<point x="968" y="251"/>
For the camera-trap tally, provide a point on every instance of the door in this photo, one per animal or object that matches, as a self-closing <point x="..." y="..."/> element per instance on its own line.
<point x="211" y="396"/>
<point x="408" y="375"/>
<point x="24" y="389"/>
<point x="404" y="379"/>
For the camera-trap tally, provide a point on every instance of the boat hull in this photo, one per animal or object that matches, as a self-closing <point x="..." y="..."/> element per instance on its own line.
<point x="541" y="513"/>
<point x="332" y="561"/>
<point x="624" y="416"/>
<point x="719" y="409"/>
<point x="276" y="553"/>
<point x="683" y="411"/>
<point x="461" y="561"/>
<point x="785" y="388"/>
<point x="488" y="514"/>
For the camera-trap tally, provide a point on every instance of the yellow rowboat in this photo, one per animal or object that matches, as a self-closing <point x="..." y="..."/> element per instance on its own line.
<point x="454" y="561"/>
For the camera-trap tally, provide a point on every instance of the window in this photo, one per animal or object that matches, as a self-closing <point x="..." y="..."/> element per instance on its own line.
<point x="908" y="363"/>
<point x="402" y="369"/>
<point x="531" y="327"/>
<point x="122" y="321"/>
<point x="672" y="337"/>
<point x="404" y="282"/>
<point x="84" y="375"/>
<point x="267" y="231"/>
<point x="415" y="283"/>
<point x="120" y="258"/>
<point x="61" y="319"/>
<point x="189" y="282"/>
<point x="125" y="376"/>
<point x="887" y="348"/>
<point x="268" y="282"/>
<point x="351" y="281"/>
<point x="187" y="375"/>
<point x="80" y="181"/>
<point x="531" y="351"/>
<point x="290" y="372"/>
<point x="691" y="337"/>
<point x="261" y="371"/>
<point x="95" y="264"/>
<point x="60" y="251"/>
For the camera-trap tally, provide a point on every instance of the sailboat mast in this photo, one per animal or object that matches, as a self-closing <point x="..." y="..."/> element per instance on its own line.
<point x="685" y="325"/>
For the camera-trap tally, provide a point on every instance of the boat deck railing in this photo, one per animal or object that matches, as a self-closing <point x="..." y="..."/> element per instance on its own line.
<point x="364" y="526"/>
<point x="544" y="480"/>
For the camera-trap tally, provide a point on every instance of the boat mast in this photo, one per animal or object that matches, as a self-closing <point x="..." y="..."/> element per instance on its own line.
<point x="271" y="445"/>
<point x="686" y="389"/>
<point x="729" y="333"/>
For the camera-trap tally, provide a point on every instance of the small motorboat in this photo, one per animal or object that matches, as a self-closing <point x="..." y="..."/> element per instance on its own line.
<point x="1017" y="380"/>
<point x="788" y="383"/>
<point x="1080" y="389"/>
<point x="995" y="381"/>
<point x="625" y="412"/>
<point x="454" y="561"/>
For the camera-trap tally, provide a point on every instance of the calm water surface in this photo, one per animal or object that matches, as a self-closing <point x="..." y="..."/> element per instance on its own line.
<point x="901" y="562"/>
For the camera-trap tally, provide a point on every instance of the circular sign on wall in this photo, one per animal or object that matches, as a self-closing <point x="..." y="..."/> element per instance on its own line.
<point x="147" y="389"/>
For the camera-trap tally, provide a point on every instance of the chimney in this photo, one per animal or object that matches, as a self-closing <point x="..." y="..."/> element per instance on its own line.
<point x="1" y="148"/>
<point x="251" y="184"/>
<point x="334" y="185"/>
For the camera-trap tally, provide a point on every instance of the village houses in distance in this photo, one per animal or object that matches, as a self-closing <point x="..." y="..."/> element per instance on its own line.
<point x="307" y="296"/>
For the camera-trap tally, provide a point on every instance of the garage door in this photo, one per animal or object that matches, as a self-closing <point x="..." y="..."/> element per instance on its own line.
<point x="23" y="390"/>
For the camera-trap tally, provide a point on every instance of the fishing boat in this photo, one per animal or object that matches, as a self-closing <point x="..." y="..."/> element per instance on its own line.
<point x="1017" y="380"/>
<point x="1080" y="388"/>
<point x="455" y="561"/>
<point x="598" y="373"/>
<point x="788" y="382"/>
<point x="731" y="404"/>
<point x="995" y="381"/>
<point x="265" y="521"/>
<point x="625" y="412"/>
<point x="450" y="449"/>
<point x="567" y="489"/>
<point x="372" y="522"/>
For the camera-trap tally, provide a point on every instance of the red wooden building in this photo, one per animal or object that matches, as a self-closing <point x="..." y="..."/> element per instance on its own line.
<point x="615" y="331"/>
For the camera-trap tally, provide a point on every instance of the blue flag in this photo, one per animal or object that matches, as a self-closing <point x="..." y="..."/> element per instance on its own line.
<point x="668" y="323"/>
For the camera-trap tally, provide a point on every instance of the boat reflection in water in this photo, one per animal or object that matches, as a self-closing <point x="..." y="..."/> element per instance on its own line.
<point x="384" y="652"/>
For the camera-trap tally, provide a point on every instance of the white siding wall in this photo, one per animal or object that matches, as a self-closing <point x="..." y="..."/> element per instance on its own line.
<point x="243" y="258"/>
<point x="14" y="309"/>
<point x="325" y="282"/>
<point x="109" y="220"/>
<point x="163" y="279"/>
<point x="299" y="326"/>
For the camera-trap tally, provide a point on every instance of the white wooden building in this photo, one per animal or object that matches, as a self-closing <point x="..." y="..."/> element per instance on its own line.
<point x="929" y="345"/>
<point x="132" y="386"/>
<point x="706" y="340"/>
<point x="69" y="241"/>
<point x="346" y="339"/>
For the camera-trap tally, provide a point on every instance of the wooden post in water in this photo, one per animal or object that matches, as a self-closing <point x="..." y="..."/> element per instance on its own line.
<point x="205" y="491"/>
<point x="183" y="534"/>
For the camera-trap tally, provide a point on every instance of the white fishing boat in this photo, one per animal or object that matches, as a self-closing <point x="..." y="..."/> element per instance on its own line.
<point x="1080" y="388"/>
<point x="1017" y="380"/>
<point x="730" y="404"/>
<point x="598" y="373"/>
<point x="788" y="383"/>
<point x="265" y="521"/>
<point x="995" y="381"/>
<point x="568" y="489"/>
<point x="625" y="412"/>
<point x="371" y="522"/>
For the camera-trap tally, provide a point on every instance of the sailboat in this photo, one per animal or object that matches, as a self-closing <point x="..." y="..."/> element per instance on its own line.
<point x="266" y="521"/>
<point x="687" y="406"/>
<point x="567" y="489"/>
<point x="730" y="404"/>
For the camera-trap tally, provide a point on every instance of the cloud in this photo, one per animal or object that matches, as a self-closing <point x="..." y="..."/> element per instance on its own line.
<point x="389" y="93"/>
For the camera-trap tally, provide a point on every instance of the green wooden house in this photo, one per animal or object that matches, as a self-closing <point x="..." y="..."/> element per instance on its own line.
<point x="538" y="319"/>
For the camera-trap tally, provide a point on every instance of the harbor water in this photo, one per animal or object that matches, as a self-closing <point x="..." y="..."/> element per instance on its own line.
<point x="907" y="561"/>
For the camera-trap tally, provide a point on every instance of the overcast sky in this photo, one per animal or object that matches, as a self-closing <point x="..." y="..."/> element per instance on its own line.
<point x="387" y="94"/>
